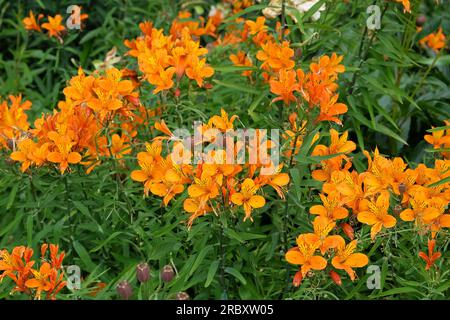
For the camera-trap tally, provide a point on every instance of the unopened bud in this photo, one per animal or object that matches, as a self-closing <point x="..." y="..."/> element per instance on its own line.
<point x="402" y="188"/>
<point x="208" y="86"/>
<point x="398" y="209"/>
<point x="182" y="296"/>
<point x="167" y="273"/>
<point x="420" y="21"/>
<point x="348" y="230"/>
<point x="335" y="277"/>
<point x="134" y="100"/>
<point x="177" y="92"/>
<point x="10" y="143"/>
<point x="143" y="272"/>
<point x="124" y="290"/>
<point x="298" y="277"/>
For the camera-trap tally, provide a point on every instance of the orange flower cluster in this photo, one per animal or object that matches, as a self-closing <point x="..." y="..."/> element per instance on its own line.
<point x="19" y="266"/>
<point x="161" y="57"/>
<point x="196" y="27"/>
<point x="440" y="139"/>
<point x="386" y="191"/>
<point x="75" y="131"/>
<point x="54" y="25"/>
<point x="13" y="121"/>
<point x="215" y="181"/>
<point x="239" y="5"/>
<point x="435" y="41"/>
<point x="317" y="87"/>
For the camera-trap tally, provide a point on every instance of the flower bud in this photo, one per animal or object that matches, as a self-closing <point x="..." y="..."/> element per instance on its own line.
<point x="143" y="272"/>
<point x="11" y="144"/>
<point x="124" y="290"/>
<point x="134" y="100"/>
<point x="177" y="92"/>
<point x="402" y="188"/>
<point x="420" y="21"/>
<point x="167" y="273"/>
<point x="298" y="277"/>
<point x="183" y="296"/>
<point x="398" y="209"/>
<point x="348" y="230"/>
<point x="335" y="277"/>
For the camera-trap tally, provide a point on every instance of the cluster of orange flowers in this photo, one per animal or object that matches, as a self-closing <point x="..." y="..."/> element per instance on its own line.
<point x="435" y="41"/>
<point x="386" y="191"/>
<point x="13" y="121"/>
<point x="160" y="57"/>
<point x="440" y="139"/>
<point x="317" y="87"/>
<point x="97" y="119"/>
<point x="216" y="181"/>
<point x="22" y="269"/>
<point x="54" y="26"/>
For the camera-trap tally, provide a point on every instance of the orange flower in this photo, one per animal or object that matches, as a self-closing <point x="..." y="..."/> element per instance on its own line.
<point x="162" y="79"/>
<point x="204" y="188"/>
<point x="332" y="207"/>
<point x="303" y="254"/>
<point x="322" y="227"/>
<point x="276" y="56"/>
<point x="222" y="122"/>
<point x="339" y="146"/>
<point x="346" y="259"/>
<point x="40" y="282"/>
<point x="439" y="138"/>
<point x="25" y="153"/>
<point x="54" y="26"/>
<point x="63" y="154"/>
<point x="421" y="212"/>
<point x="247" y="198"/>
<point x="278" y="181"/>
<point x="198" y="70"/>
<point x="30" y="22"/>
<point x="256" y="26"/>
<point x="149" y="173"/>
<point x="375" y="214"/>
<point x="435" y="41"/>
<point x="284" y="86"/>
<point x="119" y="146"/>
<point x="242" y="60"/>
<point x="330" y="109"/>
<point x="196" y="208"/>
<point x="432" y="256"/>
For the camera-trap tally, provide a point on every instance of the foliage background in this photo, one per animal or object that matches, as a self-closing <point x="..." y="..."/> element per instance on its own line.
<point x="107" y="227"/>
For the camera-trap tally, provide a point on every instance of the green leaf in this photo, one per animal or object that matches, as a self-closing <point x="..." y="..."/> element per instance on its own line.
<point x="438" y="183"/>
<point x="104" y="242"/>
<point x="12" y="196"/>
<point x="237" y="87"/>
<point x="395" y="291"/>
<point x="211" y="273"/>
<point x="84" y="256"/>
<point x="230" y="68"/>
<point x="235" y="273"/>
<point x="200" y="257"/>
